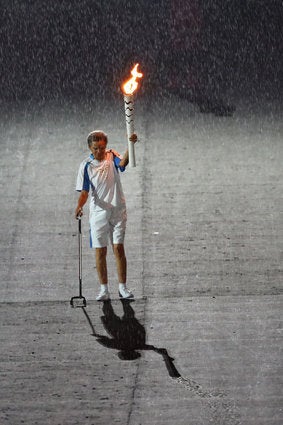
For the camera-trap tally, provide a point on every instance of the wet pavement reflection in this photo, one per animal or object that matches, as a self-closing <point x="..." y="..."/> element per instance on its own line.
<point x="127" y="335"/>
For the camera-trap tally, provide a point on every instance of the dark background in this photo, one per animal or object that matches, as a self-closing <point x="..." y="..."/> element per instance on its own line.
<point x="71" y="48"/>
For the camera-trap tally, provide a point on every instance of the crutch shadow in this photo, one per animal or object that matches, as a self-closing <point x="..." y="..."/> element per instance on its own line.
<point x="127" y="335"/>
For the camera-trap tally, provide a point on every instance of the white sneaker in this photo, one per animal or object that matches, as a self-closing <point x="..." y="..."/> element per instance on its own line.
<point x="103" y="296"/>
<point x="125" y="293"/>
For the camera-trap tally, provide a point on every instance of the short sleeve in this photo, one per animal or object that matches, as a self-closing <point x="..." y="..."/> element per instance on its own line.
<point x="83" y="178"/>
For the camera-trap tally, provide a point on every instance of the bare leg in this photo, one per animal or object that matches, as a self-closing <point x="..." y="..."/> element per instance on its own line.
<point x="121" y="262"/>
<point x="101" y="265"/>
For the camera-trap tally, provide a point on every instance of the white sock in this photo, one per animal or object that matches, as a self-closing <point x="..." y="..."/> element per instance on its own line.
<point x="104" y="289"/>
<point x="122" y="286"/>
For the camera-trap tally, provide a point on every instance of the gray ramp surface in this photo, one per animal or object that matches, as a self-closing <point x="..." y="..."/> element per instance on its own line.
<point x="204" y="250"/>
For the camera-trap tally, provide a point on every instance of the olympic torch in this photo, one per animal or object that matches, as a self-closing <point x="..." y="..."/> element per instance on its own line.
<point x="128" y="89"/>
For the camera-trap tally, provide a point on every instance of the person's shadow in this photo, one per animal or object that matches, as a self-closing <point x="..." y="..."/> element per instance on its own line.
<point x="127" y="335"/>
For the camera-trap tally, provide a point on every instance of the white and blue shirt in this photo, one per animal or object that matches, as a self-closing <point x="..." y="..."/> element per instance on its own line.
<point x="102" y="180"/>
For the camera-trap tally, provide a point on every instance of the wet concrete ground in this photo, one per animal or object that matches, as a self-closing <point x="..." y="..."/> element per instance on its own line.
<point x="203" y="244"/>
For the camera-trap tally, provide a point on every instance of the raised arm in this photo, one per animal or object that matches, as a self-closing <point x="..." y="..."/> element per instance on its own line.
<point x="125" y="160"/>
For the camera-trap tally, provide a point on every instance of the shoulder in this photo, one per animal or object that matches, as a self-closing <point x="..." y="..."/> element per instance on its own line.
<point x="84" y="165"/>
<point x="115" y="153"/>
<point x="85" y="161"/>
<point x="116" y="158"/>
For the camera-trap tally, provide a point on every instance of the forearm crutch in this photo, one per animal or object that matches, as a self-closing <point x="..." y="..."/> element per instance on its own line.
<point x="79" y="301"/>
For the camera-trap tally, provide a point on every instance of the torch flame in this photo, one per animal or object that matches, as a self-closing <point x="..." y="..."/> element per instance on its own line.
<point x="130" y="86"/>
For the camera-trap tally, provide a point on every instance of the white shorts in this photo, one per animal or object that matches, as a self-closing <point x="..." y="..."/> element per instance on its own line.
<point x="107" y="225"/>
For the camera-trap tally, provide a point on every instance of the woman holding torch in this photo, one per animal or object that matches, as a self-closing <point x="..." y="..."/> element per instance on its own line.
<point x="99" y="176"/>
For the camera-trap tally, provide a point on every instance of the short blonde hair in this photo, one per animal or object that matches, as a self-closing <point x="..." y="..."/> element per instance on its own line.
<point x="96" y="136"/>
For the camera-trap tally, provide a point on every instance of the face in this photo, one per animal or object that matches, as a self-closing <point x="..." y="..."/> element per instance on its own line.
<point x="98" y="149"/>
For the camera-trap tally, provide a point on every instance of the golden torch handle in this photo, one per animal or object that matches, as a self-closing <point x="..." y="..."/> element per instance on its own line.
<point x="129" y="113"/>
